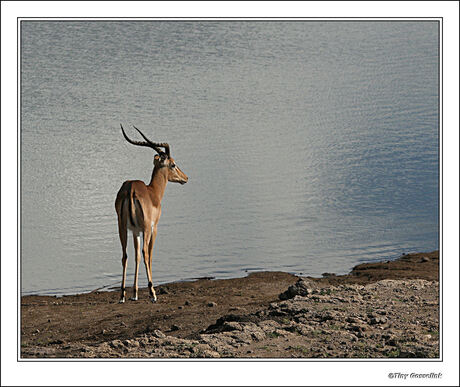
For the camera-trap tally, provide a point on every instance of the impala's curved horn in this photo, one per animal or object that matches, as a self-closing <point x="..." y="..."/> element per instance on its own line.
<point x="155" y="144"/>
<point x="140" y="143"/>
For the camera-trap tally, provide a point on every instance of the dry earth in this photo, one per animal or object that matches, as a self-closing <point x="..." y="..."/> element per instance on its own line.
<point x="379" y="310"/>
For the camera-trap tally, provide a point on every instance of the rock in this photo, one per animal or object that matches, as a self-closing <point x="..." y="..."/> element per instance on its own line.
<point x="116" y="344"/>
<point x="223" y="324"/>
<point x="232" y="326"/>
<point x="163" y="290"/>
<point x="212" y="304"/>
<point x="203" y="350"/>
<point x="425" y="259"/>
<point x="378" y="320"/>
<point x="302" y="287"/>
<point x="268" y="325"/>
<point x="175" y="327"/>
<point x="407" y="354"/>
<point x="357" y="328"/>
<point x="159" y="334"/>
<point x="238" y="309"/>
<point x="326" y="316"/>
<point x="187" y="303"/>
<point x="289" y="293"/>
<point x="305" y="330"/>
<point x="353" y="320"/>
<point x="255" y="332"/>
<point x="392" y="341"/>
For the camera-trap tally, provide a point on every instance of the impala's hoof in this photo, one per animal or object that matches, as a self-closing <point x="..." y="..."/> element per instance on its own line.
<point x="122" y="301"/>
<point x="153" y="300"/>
<point x="133" y="299"/>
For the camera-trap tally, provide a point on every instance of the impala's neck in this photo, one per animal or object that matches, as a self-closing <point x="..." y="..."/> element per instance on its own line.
<point x="158" y="181"/>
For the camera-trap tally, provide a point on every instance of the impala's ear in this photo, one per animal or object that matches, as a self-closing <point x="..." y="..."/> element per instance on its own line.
<point x="160" y="159"/>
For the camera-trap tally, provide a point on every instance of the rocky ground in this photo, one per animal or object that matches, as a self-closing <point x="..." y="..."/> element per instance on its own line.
<point x="379" y="310"/>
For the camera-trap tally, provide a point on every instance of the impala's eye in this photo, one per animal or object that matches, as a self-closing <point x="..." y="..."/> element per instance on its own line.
<point x="173" y="165"/>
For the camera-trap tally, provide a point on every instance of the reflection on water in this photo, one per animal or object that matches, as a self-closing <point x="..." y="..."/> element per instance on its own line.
<point x="310" y="146"/>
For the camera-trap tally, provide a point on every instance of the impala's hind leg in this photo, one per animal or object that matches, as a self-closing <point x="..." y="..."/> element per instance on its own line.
<point x="137" y="249"/>
<point x="123" y="232"/>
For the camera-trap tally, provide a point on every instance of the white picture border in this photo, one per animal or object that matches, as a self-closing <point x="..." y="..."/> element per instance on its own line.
<point x="233" y="372"/>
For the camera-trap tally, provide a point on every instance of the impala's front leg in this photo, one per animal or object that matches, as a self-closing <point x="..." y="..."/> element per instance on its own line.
<point x="137" y="249"/>
<point x="153" y="296"/>
<point x="146" y="251"/>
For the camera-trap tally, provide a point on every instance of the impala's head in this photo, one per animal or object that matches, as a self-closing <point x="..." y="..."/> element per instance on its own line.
<point x="162" y="160"/>
<point x="173" y="172"/>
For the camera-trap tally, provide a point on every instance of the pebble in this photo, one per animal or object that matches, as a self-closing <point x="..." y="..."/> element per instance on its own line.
<point x="159" y="334"/>
<point x="378" y="320"/>
<point x="392" y="342"/>
<point x="212" y="304"/>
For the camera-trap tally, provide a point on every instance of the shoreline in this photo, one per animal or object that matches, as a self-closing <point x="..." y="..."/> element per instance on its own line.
<point x="244" y="317"/>
<point x="113" y="288"/>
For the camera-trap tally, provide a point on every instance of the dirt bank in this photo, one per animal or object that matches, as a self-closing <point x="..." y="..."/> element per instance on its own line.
<point x="387" y="309"/>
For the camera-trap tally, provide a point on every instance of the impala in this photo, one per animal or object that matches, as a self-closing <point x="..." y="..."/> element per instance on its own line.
<point x="138" y="209"/>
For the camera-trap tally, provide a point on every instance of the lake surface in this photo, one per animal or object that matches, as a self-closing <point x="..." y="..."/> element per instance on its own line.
<point x="310" y="146"/>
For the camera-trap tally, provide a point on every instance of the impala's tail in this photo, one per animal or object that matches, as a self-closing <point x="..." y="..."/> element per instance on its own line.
<point x="132" y="208"/>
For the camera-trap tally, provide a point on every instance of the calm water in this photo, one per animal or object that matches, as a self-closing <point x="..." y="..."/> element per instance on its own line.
<point x="310" y="146"/>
